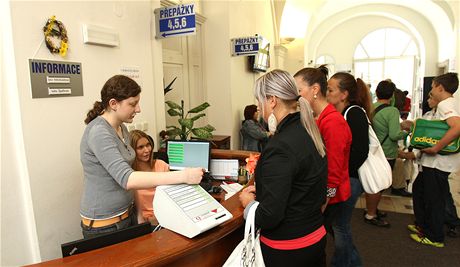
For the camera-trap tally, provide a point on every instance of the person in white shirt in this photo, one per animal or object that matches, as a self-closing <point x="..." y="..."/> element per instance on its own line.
<point x="429" y="207"/>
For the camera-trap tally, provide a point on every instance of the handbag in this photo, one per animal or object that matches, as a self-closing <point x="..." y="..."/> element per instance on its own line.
<point x="427" y="133"/>
<point x="375" y="173"/>
<point x="247" y="253"/>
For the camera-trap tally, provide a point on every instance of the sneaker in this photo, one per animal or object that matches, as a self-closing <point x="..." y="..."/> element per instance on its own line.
<point x="425" y="241"/>
<point x="380" y="214"/>
<point x="414" y="228"/>
<point x="400" y="192"/>
<point x="377" y="221"/>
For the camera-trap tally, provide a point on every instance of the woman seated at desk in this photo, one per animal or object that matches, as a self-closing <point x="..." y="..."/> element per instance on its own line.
<point x="144" y="161"/>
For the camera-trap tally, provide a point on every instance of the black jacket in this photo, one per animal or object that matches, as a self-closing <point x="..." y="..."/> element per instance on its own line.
<point x="359" y="127"/>
<point x="291" y="182"/>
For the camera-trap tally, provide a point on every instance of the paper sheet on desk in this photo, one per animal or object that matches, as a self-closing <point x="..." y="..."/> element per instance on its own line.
<point x="224" y="168"/>
<point x="230" y="188"/>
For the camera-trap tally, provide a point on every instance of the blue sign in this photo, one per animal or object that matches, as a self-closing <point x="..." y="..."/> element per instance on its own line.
<point x="175" y="21"/>
<point x="246" y="46"/>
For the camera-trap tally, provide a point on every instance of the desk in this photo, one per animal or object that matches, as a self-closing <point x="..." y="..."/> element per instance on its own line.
<point x="166" y="248"/>
<point x="220" y="141"/>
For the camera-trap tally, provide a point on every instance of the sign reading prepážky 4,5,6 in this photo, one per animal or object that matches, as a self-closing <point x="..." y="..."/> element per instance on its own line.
<point x="246" y="46"/>
<point x="175" y="21"/>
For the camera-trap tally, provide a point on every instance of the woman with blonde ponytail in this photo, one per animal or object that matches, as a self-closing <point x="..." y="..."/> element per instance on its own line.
<point x="290" y="177"/>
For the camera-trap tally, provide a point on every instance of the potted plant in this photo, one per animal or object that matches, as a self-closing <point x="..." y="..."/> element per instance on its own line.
<point x="186" y="121"/>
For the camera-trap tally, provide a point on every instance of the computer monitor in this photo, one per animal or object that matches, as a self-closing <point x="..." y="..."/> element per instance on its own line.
<point x="187" y="154"/>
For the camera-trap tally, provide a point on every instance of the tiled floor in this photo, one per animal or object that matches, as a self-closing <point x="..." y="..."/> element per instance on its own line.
<point x="399" y="204"/>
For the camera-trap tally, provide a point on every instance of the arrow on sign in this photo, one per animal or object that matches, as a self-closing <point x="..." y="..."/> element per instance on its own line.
<point x="174" y="33"/>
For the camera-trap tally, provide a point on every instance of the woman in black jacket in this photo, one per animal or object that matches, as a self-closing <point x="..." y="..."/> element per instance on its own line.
<point x="290" y="177"/>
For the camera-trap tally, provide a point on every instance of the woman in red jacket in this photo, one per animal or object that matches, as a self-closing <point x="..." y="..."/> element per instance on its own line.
<point x="312" y="85"/>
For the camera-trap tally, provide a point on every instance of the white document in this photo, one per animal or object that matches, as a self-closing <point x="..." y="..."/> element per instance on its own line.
<point x="231" y="189"/>
<point x="224" y="168"/>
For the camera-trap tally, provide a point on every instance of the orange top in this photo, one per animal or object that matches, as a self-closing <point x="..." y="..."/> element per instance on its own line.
<point x="144" y="197"/>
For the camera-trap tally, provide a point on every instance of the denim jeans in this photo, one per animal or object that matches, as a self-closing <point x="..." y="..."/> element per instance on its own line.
<point x="346" y="254"/>
<point x="89" y="232"/>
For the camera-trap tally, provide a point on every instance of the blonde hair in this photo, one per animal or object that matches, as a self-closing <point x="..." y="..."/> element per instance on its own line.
<point x="281" y="84"/>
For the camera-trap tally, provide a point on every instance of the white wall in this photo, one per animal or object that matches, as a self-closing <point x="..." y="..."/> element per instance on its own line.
<point x="53" y="127"/>
<point x="229" y="82"/>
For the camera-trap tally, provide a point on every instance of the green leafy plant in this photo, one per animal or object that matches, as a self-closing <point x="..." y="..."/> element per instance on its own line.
<point x="186" y="121"/>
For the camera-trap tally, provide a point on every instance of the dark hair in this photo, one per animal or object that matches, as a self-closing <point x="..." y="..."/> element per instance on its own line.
<point x="119" y="87"/>
<point x="358" y="92"/>
<point x="249" y="112"/>
<point x="449" y="81"/>
<point x="385" y="90"/>
<point x="315" y="75"/>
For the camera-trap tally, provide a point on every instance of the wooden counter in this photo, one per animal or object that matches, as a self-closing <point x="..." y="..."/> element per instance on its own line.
<point x="165" y="247"/>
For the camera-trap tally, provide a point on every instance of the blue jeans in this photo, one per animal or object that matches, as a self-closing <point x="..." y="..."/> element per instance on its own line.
<point x="346" y="254"/>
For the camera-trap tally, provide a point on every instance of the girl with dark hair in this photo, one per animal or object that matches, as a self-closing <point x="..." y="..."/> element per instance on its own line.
<point x="345" y="92"/>
<point x="106" y="156"/>
<point x="254" y="135"/>
<point x="312" y="84"/>
<point x="290" y="177"/>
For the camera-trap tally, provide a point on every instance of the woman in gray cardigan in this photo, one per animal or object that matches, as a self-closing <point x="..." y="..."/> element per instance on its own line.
<point x="106" y="156"/>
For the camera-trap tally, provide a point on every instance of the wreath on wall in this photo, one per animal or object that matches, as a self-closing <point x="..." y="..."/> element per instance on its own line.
<point x="56" y="36"/>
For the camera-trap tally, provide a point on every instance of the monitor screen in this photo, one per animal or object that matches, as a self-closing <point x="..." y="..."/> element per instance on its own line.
<point x="185" y="154"/>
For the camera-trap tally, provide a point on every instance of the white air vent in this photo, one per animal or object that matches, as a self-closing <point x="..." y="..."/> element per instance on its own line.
<point x="100" y="36"/>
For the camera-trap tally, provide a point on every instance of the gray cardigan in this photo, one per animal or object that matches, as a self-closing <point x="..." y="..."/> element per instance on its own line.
<point x="106" y="161"/>
<point x="253" y="133"/>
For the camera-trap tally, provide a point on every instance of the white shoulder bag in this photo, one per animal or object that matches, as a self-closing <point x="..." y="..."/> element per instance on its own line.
<point x="375" y="173"/>
<point x="247" y="253"/>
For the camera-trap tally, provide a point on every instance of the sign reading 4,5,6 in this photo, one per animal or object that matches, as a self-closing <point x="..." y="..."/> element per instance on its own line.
<point x="177" y="23"/>
<point x="175" y="20"/>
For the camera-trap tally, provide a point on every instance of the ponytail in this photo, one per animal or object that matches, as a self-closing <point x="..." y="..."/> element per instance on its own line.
<point x="363" y="97"/>
<point x="308" y="122"/>
<point x="93" y="113"/>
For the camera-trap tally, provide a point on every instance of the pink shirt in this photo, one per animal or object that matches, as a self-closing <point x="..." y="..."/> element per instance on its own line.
<point x="144" y="197"/>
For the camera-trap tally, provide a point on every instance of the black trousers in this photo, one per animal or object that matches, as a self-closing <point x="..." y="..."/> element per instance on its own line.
<point x="429" y="197"/>
<point x="313" y="255"/>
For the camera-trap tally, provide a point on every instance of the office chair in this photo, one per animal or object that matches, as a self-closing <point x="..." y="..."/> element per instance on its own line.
<point x="84" y="245"/>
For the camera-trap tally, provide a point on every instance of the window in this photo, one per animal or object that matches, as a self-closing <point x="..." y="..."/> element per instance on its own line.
<point x="326" y="59"/>
<point x="387" y="53"/>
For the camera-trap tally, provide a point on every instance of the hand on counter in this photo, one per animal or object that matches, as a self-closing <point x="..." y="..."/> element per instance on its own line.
<point x="193" y="175"/>
<point x="247" y="195"/>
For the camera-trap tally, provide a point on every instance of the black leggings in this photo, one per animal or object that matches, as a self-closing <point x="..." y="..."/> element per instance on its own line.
<point x="312" y="256"/>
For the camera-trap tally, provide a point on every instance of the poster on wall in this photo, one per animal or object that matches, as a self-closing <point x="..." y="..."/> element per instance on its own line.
<point x="133" y="72"/>
<point x="174" y="21"/>
<point x="55" y="78"/>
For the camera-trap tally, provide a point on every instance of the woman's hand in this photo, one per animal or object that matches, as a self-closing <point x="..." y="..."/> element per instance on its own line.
<point x="193" y="175"/>
<point x="247" y="195"/>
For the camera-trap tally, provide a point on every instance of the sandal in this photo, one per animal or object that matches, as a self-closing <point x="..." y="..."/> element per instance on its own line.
<point x="377" y="222"/>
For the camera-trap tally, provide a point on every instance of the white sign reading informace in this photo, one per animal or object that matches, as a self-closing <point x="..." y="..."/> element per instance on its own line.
<point x="55" y="78"/>
<point x="175" y="21"/>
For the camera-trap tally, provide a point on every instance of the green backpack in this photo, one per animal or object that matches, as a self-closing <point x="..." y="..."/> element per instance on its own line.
<point x="427" y="133"/>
